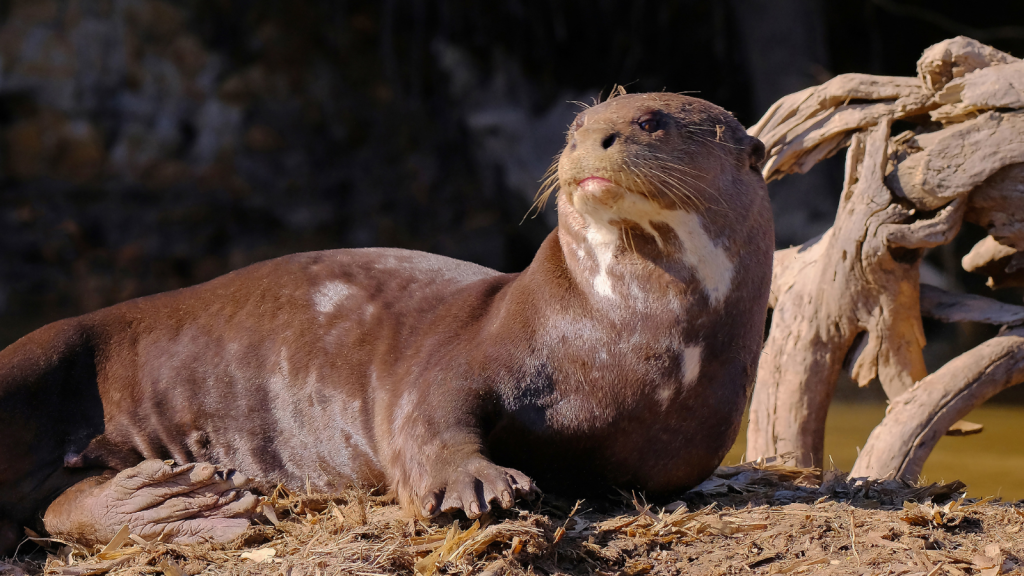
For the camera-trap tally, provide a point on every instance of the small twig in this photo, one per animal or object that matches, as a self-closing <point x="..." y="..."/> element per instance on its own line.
<point x="560" y="532"/>
<point x="853" y="537"/>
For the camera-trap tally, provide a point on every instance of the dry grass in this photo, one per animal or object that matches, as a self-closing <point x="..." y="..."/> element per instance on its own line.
<point x="761" y="519"/>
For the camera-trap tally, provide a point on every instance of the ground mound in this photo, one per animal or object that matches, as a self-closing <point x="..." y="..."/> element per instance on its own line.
<point x="753" y="518"/>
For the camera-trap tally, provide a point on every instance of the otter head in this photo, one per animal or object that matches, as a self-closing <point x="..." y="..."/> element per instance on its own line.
<point x="662" y="178"/>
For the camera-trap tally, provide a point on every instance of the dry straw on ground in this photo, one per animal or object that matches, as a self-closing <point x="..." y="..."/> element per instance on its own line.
<point x="748" y="519"/>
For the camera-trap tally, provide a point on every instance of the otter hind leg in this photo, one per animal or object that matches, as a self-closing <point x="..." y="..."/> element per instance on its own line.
<point x="177" y="504"/>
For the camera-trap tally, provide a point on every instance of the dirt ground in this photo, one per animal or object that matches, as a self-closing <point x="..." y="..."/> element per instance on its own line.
<point x="747" y="519"/>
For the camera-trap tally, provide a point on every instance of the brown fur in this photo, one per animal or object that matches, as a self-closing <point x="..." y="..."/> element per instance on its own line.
<point x="389" y="367"/>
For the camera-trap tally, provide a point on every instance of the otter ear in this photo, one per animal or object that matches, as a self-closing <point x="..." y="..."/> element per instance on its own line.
<point x="755" y="153"/>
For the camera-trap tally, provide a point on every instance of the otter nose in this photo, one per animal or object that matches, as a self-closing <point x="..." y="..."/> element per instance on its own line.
<point x="595" y="134"/>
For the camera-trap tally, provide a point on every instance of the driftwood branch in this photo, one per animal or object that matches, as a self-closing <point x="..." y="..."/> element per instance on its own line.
<point x="809" y="126"/>
<point x="955" y="58"/>
<point x="951" y="307"/>
<point x="940" y="170"/>
<point x="1003" y="264"/>
<point x="826" y="293"/>
<point x="916" y="420"/>
<point x="851" y="298"/>
<point x="998" y="205"/>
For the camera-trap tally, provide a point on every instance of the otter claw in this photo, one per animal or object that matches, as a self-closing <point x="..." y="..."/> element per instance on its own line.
<point x="477" y="486"/>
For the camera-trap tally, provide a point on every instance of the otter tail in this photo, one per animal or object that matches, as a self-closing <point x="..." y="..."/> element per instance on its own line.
<point x="49" y="403"/>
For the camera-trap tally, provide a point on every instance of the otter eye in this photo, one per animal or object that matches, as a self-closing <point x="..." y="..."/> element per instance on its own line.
<point x="649" y="124"/>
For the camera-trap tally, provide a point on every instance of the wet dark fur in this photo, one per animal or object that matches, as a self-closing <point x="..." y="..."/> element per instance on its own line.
<point x="417" y="363"/>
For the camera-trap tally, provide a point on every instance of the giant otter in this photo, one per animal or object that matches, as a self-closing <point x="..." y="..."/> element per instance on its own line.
<point x="622" y="356"/>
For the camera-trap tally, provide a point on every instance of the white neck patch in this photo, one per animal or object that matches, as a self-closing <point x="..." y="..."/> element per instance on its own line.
<point x="709" y="262"/>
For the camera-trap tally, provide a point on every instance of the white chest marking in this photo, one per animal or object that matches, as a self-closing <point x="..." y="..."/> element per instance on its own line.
<point x="711" y="263"/>
<point x="604" y="240"/>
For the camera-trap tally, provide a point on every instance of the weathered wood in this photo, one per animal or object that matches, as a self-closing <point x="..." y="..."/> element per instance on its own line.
<point x="851" y="298"/>
<point x="827" y="292"/>
<point x="798" y="107"/>
<point x="941" y="171"/>
<point x="820" y="117"/>
<point x="917" y="420"/>
<point x="954" y="58"/>
<point x="951" y="307"/>
<point x="1003" y="264"/>
<point x="831" y="127"/>
<point x="981" y="90"/>
<point x="998" y="205"/>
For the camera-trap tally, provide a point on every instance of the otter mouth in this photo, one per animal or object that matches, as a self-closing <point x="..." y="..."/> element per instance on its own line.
<point x="594" y="184"/>
<point x="595" y="189"/>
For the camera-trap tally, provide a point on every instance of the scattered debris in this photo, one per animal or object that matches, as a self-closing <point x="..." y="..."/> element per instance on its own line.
<point x="928" y="514"/>
<point x="261" y="555"/>
<point x="761" y="518"/>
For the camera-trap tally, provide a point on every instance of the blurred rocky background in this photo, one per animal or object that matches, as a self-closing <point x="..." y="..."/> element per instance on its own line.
<point x="153" y="144"/>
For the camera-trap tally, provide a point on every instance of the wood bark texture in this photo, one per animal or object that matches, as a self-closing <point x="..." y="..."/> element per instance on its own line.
<point x="851" y="298"/>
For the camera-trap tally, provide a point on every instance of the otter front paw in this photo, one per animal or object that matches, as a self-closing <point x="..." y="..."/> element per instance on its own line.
<point x="181" y="504"/>
<point x="473" y="486"/>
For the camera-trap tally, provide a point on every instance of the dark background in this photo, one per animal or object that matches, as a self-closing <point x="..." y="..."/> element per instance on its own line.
<point x="149" y="144"/>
